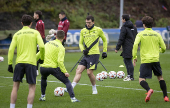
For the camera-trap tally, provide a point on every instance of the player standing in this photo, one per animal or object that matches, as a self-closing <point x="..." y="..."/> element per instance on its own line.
<point x="127" y="36"/>
<point x="54" y="65"/>
<point x="151" y="45"/>
<point x="63" y="25"/>
<point x="40" y="27"/>
<point x="25" y="40"/>
<point x="90" y="35"/>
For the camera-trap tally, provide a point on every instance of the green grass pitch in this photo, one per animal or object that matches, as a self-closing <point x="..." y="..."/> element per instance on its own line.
<point x="111" y="92"/>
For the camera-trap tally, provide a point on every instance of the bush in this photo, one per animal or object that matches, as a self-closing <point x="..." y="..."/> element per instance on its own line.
<point x="163" y="22"/>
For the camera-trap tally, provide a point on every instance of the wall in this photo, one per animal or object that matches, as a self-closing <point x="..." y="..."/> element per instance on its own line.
<point x="72" y="41"/>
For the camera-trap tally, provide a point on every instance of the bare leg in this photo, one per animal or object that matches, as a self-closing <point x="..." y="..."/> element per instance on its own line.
<point x="93" y="81"/>
<point x="91" y="76"/>
<point x="160" y="78"/>
<point x="79" y="70"/>
<point x="142" y="79"/>
<point x="14" y="92"/>
<point x="31" y="94"/>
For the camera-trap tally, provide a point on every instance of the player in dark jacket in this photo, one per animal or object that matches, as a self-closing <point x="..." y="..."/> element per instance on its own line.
<point x="127" y="37"/>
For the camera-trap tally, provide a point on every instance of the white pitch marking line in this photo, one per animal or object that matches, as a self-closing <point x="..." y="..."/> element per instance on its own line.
<point x="96" y="85"/>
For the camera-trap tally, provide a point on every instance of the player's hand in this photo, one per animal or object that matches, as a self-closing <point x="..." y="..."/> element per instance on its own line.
<point x="104" y="55"/>
<point x="116" y="51"/>
<point x="10" y="68"/>
<point x="134" y="62"/>
<point x="67" y="74"/>
<point x="85" y="52"/>
<point x="41" y="61"/>
<point x="48" y="37"/>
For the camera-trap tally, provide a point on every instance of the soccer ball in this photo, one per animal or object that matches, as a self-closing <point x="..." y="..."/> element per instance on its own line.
<point x="112" y="74"/>
<point x="1" y="59"/>
<point x="120" y="74"/>
<point x="104" y="74"/>
<point x="99" y="77"/>
<point x="52" y="31"/>
<point x="59" y="91"/>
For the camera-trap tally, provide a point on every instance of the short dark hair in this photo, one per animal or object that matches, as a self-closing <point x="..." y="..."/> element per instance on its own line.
<point x="148" y="21"/>
<point x="62" y="13"/>
<point x="26" y="20"/>
<point x="126" y="17"/>
<point x="90" y="17"/>
<point x="39" y="13"/>
<point x="60" y="34"/>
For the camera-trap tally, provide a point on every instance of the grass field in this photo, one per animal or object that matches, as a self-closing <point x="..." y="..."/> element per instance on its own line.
<point x="111" y="92"/>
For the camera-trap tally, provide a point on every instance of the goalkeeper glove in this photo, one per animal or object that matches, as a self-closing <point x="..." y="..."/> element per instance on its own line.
<point x="10" y="68"/>
<point x="85" y="52"/>
<point x="41" y="61"/>
<point x="104" y="55"/>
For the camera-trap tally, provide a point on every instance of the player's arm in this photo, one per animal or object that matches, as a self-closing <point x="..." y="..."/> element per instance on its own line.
<point x="41" y="46"/>
<point x="104" y="40"/>
<point x="40" y="28"/>
<point x="81" y="40"/>
<point x="162" y="44"/>
<point x="121" y="38"/>
<point x="38" y="56"/>
<point x="11" y="50"/>
<point x="135" y="47"/>
<point x="66" y="27"/>
<point x="60" y="60"/>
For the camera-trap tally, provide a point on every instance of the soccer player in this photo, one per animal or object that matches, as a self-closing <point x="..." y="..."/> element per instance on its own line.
<point x="89" y="35"/>
<point x="151" y="45"/>
<point x="54" y="65"/>
<point x="25" y="40"/>
<point x="40" y="27"/>
<point x="63" y="25"/>
<point x="127" y="36"/>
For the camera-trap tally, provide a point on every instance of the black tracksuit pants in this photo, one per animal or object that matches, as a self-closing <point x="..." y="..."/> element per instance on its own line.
<point x="56" y="72"/>
<point x="129" y="66"/>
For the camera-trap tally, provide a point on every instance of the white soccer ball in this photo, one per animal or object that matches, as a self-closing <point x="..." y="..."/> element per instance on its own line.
<point x="59" y="91"/>
<point x="120" y="74"/>
<point x="104" y="74"/>
<point x="99" y="77"/>
<point x="112" y="75"/>
<point x="1" y="59"/>
<point x="52" y="31"/>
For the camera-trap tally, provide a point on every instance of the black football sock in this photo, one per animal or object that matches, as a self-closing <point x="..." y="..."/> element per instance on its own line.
<point x="145" y="85"/>
<point x="163" y="87"/>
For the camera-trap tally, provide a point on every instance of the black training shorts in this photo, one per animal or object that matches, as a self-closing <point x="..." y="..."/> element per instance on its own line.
<point x="146" y="70"/>
<point x="28" y="69"/>
<point x="56" y="72"/>
<point x="90" y="61"/>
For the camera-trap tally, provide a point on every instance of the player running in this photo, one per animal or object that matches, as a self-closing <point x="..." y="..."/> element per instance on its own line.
<point x="54" y="65"/>
<point x="90" y="36"/>
<point x="151" y="45"/>
<point x="25" y="40"/>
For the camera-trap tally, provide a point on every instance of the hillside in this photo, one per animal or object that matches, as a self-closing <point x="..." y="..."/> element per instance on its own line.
<point x="106" y="12"/>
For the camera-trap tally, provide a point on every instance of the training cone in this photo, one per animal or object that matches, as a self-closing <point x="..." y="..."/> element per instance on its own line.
<point x="121" y="66"/>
